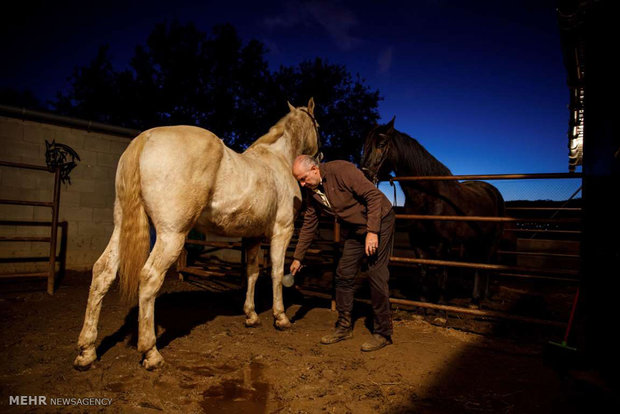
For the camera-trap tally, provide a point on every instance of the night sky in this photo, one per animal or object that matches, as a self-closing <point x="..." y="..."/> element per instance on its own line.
<point x="480" y="84"/>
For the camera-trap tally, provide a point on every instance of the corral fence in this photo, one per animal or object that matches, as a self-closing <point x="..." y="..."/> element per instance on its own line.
<point x="54" y="257"/>
<point x="523" y="254"/>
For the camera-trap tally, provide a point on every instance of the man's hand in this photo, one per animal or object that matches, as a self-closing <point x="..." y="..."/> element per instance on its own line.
<point x="372" y="243"/>
<point x="295" y="266"/>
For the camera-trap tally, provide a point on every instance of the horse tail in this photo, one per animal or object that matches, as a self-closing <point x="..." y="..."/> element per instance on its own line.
<point x="134" y="238"/>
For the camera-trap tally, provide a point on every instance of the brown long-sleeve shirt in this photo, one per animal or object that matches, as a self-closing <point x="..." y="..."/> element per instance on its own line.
<point x="353" y="200"/>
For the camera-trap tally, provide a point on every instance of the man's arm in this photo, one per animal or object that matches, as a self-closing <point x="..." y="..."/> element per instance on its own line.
<point x="307" y="231"/>
<point x="359" y="185"/>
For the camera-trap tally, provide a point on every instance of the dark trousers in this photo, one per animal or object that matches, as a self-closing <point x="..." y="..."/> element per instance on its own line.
<point x="378" y="274"/>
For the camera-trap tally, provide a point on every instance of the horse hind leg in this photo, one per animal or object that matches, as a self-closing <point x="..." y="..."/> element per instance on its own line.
<point x="252" y="251"/>
<point x="166" y="250"/>
<point x="104" y="273"/>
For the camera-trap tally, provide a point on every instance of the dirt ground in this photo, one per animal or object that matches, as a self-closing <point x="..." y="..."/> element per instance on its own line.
<point x="216" y="365"/>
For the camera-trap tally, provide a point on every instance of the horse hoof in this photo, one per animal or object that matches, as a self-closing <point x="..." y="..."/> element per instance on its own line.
<point x="152" y="361"/>
<point x="152" y="366"/>
<point x="252" y="322"/>
<point x="283" y="325"/>
<point x="84" y="360"/>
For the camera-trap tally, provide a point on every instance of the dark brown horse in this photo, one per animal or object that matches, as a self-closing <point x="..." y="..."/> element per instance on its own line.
<point x="388" y="150"/>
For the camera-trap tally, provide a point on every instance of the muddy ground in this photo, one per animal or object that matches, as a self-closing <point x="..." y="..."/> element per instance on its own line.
<point x="439" y="363"/>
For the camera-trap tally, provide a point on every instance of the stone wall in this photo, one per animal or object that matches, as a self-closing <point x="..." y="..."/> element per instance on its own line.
<point x="86" y="204"/>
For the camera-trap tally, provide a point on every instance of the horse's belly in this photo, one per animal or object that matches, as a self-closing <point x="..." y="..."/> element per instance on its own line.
<point x="237" y="222"/>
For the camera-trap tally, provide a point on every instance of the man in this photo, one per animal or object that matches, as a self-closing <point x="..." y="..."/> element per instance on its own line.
<point x="339" y="189"/>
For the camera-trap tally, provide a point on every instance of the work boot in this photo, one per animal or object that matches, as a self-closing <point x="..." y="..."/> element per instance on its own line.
<point x="343" y="330"/>
<point x="377" y="342"/>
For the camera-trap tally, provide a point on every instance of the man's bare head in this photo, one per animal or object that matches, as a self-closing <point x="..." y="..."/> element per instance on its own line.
<point x="306" y="171"/>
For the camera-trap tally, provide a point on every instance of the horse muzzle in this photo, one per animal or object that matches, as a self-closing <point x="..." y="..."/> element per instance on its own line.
<point x="370" y="175"/>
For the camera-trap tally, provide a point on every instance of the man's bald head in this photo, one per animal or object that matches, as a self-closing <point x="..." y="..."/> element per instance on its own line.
<point x="306" y="171"/>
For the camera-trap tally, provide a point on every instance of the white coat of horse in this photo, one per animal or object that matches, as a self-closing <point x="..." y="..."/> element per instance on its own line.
<point x="184" y="177"/>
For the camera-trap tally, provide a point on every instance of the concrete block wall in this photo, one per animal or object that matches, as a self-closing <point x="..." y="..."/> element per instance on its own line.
<point x="86" y="204"/>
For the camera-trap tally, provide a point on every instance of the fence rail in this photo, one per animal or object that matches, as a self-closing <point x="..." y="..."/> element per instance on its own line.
<point x="53" y="224"/>
<point x="524" y="272"/>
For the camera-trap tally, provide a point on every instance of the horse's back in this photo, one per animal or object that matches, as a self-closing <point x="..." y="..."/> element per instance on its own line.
<point x="490" y="203"/>
<point x="487" y="197"/>
<point x="180" y="140"/>
<point x="179" y="148"/>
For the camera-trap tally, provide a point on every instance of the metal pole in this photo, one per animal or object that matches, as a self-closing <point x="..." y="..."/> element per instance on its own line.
<point x="485" y="266"/>
<point x="456" y="309"/>
<point x="486" y="218"/>
<point x="488" y="177"/>
<point x="51" y="280"/>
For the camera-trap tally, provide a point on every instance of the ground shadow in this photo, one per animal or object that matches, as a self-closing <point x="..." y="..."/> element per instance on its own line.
<point x="514" y="366"/>
<point x="178" y="313"/>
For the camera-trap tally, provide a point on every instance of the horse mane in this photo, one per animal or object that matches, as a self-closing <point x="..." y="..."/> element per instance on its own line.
<point x="295" y="129"/>
<point x="413" y="158"/>
<point x="274" y="133"/>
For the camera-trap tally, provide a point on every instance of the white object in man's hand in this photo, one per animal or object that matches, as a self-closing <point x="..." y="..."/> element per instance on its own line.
<point x="295" y="266"/>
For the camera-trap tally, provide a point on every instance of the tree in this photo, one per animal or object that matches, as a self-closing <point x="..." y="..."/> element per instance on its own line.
<point x="183" y="76"/>
<point x="21" y="98"/>
<point x="346" y="108"/>
<point x="94" y="91"/>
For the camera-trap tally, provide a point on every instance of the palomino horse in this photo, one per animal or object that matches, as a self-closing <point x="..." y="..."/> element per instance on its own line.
<point x="388" y="150"/>
<point x="184" y="177"/>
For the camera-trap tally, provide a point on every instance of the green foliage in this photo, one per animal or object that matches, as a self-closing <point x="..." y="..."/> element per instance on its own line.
<point x="183" y="76"/>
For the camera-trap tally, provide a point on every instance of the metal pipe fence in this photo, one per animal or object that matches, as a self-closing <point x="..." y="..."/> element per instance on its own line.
<point x="523" y="272"/>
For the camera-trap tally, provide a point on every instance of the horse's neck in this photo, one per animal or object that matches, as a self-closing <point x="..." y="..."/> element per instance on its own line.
<point x="283" y="146"/>
<point x="278" y="145"/>
<point x="412" y="159"/>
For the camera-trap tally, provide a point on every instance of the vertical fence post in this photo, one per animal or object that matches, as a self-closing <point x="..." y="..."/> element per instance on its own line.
<point x="51" y="279"/>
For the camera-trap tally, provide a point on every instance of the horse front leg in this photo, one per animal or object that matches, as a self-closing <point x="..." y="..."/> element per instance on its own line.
<point x="423" y="286"/>
<point x="104" y="273"/>
<point x="444" y="252"/>
<point x="277" y="252"/>
<point x="478" y="292"/>
<point x="165" y="252"/>
<point x="481" y="278"/>
<point x="252" y="250"/>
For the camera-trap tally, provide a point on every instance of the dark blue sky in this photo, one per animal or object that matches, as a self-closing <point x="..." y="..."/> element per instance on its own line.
<point x="481" y="84"/>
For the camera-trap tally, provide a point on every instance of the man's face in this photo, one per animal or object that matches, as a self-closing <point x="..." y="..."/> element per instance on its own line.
<point x="308" y="177"/>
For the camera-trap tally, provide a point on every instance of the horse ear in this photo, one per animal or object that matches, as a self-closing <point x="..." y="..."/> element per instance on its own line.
<point x="390" y="126"/>
<point x="290" y="107"/>
<point x="311" y="106"/>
